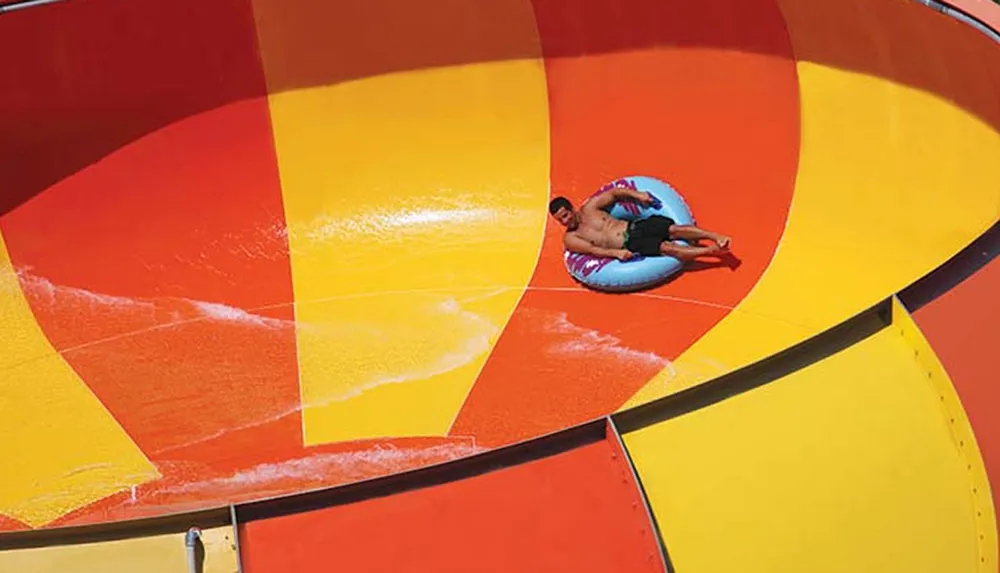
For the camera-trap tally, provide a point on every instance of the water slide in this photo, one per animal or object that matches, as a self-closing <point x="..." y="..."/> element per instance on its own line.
<point x="282" y="270"/>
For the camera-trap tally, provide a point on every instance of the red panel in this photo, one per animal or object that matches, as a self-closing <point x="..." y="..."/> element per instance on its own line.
<point x="114" y="71"/>
<point x="146" y="269"/>
<point x="576" y="511"/>
<point x="963" y="327"/>
<point x="161" y="270"/>
<point x="675" y="90"/>
<point x="162" y="275"/>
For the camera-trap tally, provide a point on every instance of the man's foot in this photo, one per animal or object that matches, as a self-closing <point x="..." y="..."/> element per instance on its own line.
<point x="731" y="260"/>
<point x="722" y="241"/>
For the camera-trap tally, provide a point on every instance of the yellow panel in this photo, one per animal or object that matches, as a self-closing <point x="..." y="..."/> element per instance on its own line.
<point x="846" y="465"/>
<point x="159" y="554"/>
<point x="416" y="204"/>
<point x="67" y="449"/>
<point x="892" y="182"/>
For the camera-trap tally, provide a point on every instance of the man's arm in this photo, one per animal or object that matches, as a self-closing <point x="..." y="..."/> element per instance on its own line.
<point x="577" y="245"/>
<point x="614" y="194"/>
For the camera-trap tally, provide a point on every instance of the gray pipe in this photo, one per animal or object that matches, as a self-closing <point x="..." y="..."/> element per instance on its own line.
<point x="192" y="541"/>
<point x="23" y="5"/>
<point x="948" y="10"/>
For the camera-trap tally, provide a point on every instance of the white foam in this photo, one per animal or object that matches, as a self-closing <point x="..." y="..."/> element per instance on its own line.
<point x="344" y="228"/>
<point x="174" y="308"/>
<point x="462" y="337"/>
<point x="54" y="294"/>
<point x="448" y="311"/>
<point x="8" y="281"/>
<point x="151" y="313"/>
<point x="95" y="467"/>
<point x="588" y="342"/>
<point x="471" y="349"/>
<point x="436" y="216"/>
<point x="225" y="313"/>
<point x="347" y="466"/>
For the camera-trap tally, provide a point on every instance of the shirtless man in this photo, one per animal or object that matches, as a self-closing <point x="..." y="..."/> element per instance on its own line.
<point x="592" y="231"/>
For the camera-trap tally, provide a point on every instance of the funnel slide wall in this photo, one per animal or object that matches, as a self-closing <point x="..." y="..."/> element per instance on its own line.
<point x="253" y="247"/>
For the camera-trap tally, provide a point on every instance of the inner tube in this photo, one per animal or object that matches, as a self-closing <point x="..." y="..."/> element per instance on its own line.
<point x="612" y="275"/>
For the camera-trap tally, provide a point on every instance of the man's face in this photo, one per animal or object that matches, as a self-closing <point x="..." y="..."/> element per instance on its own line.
<point x="566" y="218"/>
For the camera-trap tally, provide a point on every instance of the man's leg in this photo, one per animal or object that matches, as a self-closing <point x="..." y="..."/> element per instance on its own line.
<point x="686" y="253"/>
<point x="692" y="233"/>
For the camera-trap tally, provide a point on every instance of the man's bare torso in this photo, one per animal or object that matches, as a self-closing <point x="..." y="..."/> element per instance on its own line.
<point x="600" y="229"/>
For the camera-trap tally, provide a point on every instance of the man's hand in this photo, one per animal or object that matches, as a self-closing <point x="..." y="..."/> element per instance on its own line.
<point x="642" y="197"/>
<point x="623" y="254"/>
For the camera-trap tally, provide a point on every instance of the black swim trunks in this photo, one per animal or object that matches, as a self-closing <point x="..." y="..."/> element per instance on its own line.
<point x="645" y="235"/>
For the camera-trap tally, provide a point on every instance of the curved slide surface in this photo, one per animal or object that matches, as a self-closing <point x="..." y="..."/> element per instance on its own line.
<point x="254" y="247"/>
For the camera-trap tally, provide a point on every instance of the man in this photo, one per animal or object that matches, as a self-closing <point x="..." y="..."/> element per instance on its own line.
<point x="592" y="231"/>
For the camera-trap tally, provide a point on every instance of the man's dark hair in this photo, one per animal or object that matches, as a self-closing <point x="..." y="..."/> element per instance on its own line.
<point x="559" y="203"/>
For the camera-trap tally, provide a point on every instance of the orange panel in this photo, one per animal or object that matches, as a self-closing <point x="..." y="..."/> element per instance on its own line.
<point x="11" y="524"/>
<point x="963" y="327"/>
<point x="701" y="94"/>
<point x="575" y="511"/>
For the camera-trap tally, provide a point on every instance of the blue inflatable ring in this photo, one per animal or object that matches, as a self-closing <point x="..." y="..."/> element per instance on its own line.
<point x="639" y="272"/>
